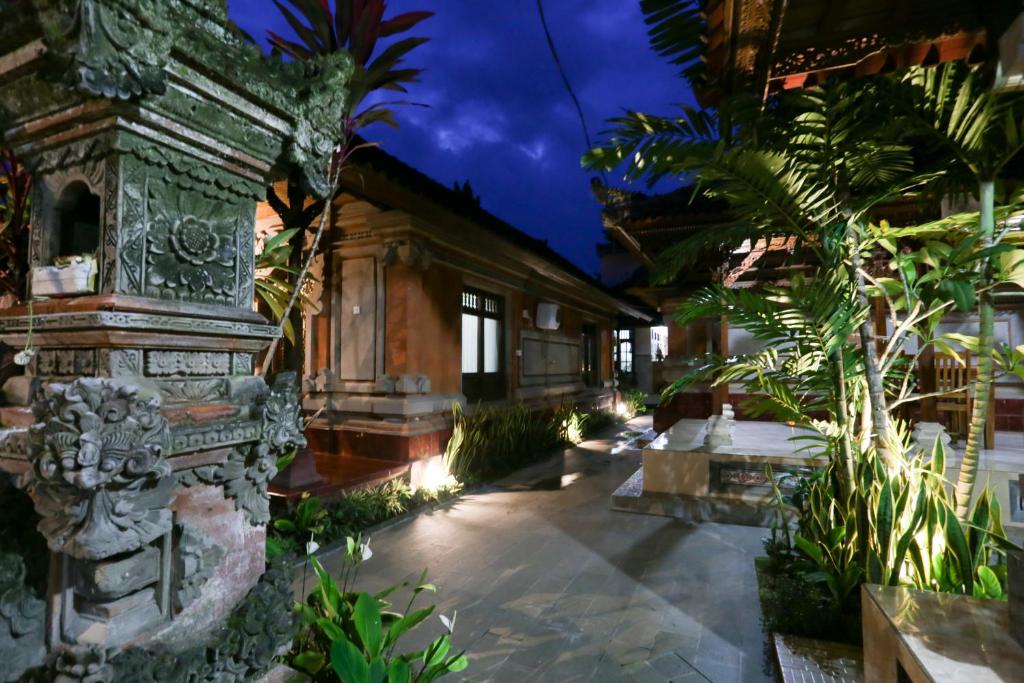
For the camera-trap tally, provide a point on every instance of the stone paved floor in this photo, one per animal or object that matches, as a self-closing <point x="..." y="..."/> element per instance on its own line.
<point x="551" y="585"/>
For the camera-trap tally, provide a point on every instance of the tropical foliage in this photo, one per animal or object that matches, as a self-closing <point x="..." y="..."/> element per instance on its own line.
<point x="310" y="519"/>
<point x="976" y="132"/>
<point x="360" y="28"/>
<point x="273" y="275"/>
<point x="894" y="527"/>
<point x="493" y="442"/>
<point x="810" y="169"/>
<point x="15" y="187"/>
<point x="354" y="636"/>
<point x="635" y="402"/>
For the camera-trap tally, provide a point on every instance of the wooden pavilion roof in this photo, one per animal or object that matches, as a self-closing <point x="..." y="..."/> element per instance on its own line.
<point x="771" y="45"/>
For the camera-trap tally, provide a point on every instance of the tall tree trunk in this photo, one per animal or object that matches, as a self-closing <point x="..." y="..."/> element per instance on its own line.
<point x="884" y="437"/>
<point x="294" y="352"/>
<point x="983" y="388"/>
<point x="843" y="421"/>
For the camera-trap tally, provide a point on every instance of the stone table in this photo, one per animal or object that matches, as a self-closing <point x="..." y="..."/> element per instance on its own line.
<point x="937" y="637"/>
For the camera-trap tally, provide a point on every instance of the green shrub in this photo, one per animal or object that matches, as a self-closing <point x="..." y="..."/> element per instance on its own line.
<point x="354" y="636"/>
<point x="897" y="527"/>
<point x="295" y="524"/>
<point x="496" y="441"/>
<point x="635" y="401"/>
<point x="571" y="424"/>
<point x="793" y="605"/>
<point x="600" y="420"/>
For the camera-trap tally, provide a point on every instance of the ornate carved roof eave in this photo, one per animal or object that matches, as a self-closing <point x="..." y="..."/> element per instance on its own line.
<point x="743" y="56"/>
<point x="870" y="59"/>
<point x="622" y="236"/>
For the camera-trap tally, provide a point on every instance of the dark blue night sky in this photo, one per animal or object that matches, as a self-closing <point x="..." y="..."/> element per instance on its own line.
<point x="499" y="115"/>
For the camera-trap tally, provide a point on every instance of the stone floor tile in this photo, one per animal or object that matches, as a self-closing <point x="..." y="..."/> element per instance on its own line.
<point x="552" y="585"/>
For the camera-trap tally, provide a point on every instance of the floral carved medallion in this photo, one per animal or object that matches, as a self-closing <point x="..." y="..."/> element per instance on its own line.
<point x="192" y="250"/>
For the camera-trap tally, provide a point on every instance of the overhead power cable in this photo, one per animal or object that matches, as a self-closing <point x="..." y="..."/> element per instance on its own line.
<point x="565" y="77"/>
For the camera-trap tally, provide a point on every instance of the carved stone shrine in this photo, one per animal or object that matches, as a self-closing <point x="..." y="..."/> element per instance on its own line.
<point x="139" y="437"/>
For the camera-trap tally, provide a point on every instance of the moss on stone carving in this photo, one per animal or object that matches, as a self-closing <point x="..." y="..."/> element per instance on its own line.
<point x="133" y="50"/>
<point x="24" y="561"/>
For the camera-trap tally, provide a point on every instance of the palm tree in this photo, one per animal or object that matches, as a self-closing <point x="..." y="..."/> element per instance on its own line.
<point x="813" y="165"/>
<point x="976" y="132"/>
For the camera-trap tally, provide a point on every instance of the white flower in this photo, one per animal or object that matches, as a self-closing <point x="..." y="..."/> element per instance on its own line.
<point x="449" y="624"/>
<point x="312" y="546"/>
<point x="364" y="551"/>
<point x="24" y="357"/>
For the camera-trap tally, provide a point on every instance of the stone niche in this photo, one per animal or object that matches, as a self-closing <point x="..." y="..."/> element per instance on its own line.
<point x="139" y="430"/>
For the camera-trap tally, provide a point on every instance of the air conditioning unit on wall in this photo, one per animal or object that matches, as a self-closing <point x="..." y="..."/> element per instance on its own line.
<point x="548" y="316"/>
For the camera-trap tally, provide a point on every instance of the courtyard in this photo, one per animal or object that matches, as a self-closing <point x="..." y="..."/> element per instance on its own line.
<point x="337" y="346"/>
<point x="550" y="584"/>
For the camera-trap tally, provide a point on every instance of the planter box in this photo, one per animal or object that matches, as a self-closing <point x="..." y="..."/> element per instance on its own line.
<point x="70" y="280"/>
<point x="1015" y="592"/>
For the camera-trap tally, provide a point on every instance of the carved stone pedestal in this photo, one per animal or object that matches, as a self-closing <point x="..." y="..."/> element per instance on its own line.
<point x="139" y="431"/>
<point x="926" y="433"/>
<point x="719" y="429"/>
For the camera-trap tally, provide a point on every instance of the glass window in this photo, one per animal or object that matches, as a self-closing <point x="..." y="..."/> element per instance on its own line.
<point x="483" y="352"/>
<point x="470" y="350"/>
<point x="626" y="357"/>
<point x="623" y="352"/>
<point x="490" y="345"/>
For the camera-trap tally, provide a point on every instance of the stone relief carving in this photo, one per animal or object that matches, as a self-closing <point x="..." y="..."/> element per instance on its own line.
<point x="138" y="321"/>
<point x="22" y="621"/>
<point x="99" y="476"/>
<point x="257" y="629"/>
<point x="119" y="362"/>
<point x="282" y="415"/>
<point x="194" y="391"/>
<point x="319" y="102"/>
<point x="195" y="561"/>
<point x="192" y="251"/>
<point x="242" y="364"/>
<point x="247" y="472"/>
<point x="189" y="174"/>
<point x="114" y="48"/>
<point x="245" y="476"/>
<point x="14" y="443"/>
<point x="186" y="439"/>
<point x="132" y="226"/>
<point x="65" y="362"/>
<point x="108" y="240"/>
<point x="83" y="664"/>
<point x="163" y="363"/>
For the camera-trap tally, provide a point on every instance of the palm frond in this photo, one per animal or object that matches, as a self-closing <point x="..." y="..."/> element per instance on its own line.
<point x="676" y="29"/>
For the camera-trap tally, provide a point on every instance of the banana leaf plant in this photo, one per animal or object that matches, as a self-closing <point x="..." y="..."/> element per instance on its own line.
<point x="273" y="278"/>
<point x="360" y="28"/>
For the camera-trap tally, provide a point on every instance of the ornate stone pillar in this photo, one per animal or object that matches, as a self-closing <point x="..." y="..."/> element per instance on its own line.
<point x="139" y="430"/>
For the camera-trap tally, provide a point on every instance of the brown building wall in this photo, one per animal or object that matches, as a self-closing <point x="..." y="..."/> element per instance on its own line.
<point x="423" y="325"/>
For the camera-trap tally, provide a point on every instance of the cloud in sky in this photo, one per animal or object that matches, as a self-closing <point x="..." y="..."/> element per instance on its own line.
<point x="498" y="113"/>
